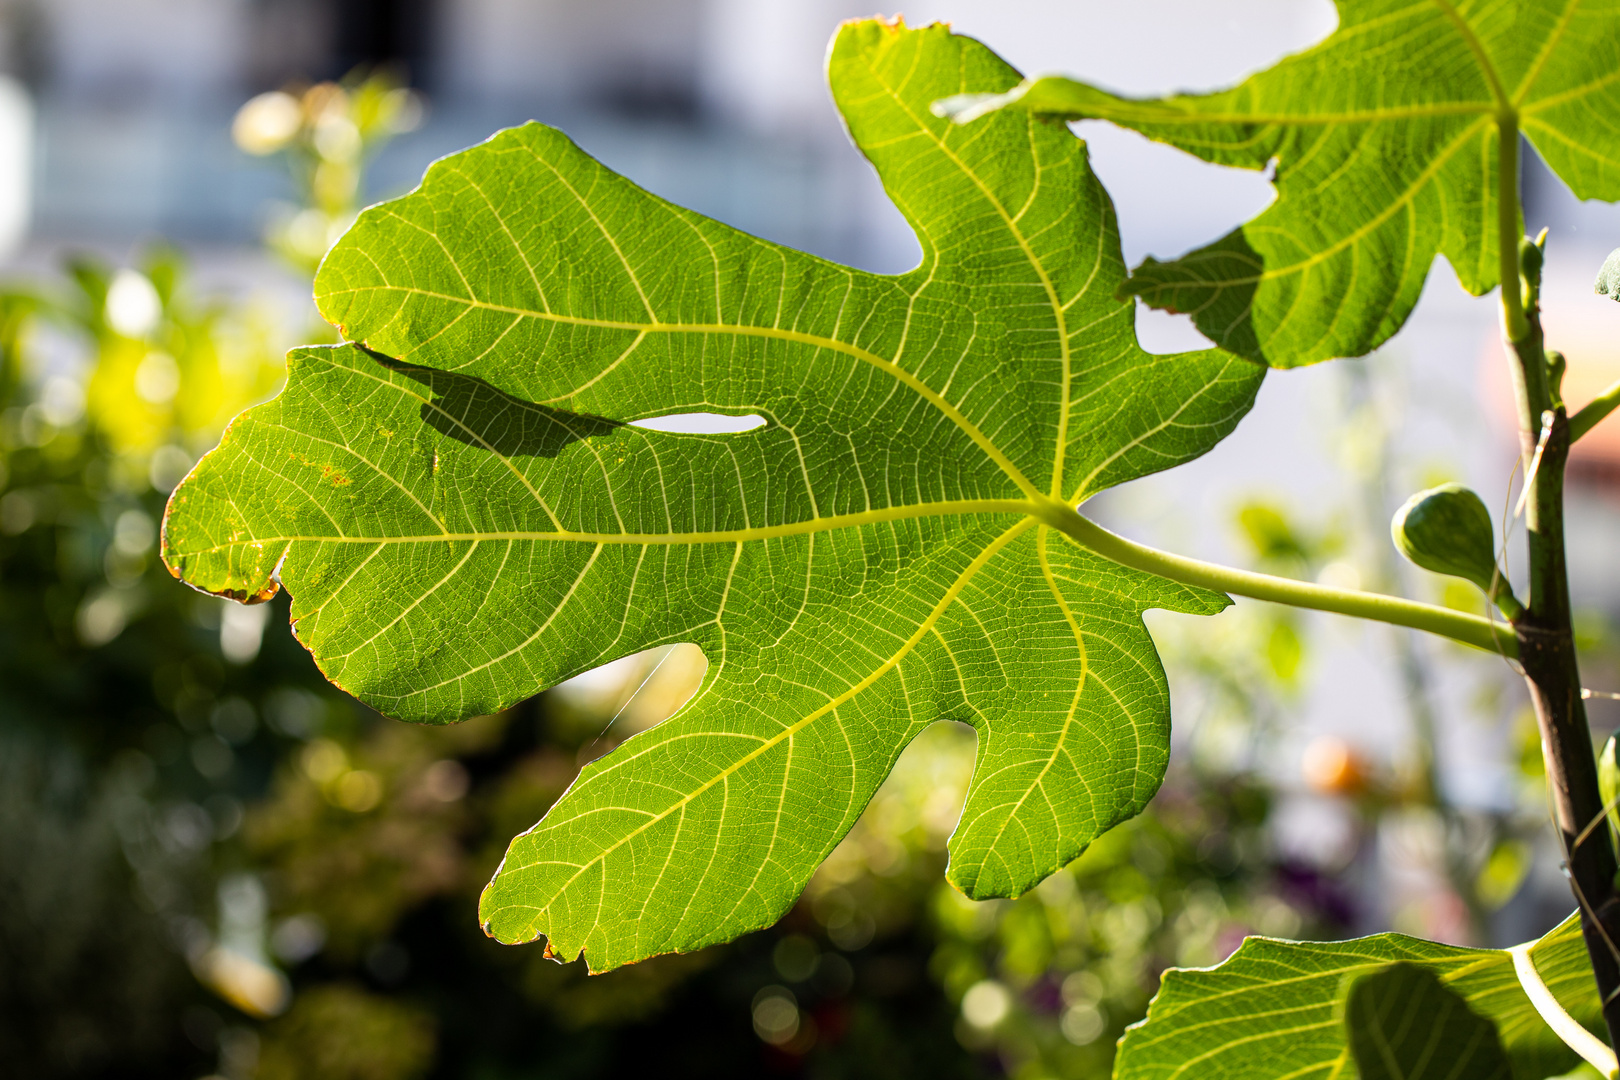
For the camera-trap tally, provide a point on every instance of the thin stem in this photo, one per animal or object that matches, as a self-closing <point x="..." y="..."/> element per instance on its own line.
<point x="1594" y="411"/>
<point x="1544" y="628"/>
<point x="1456" y="625"/>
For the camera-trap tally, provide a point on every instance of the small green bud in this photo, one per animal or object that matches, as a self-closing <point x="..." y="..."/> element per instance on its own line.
<point x="1608" y="279"/>
<point x="1556" y="366"/>
<point x="1448" y="530"/>
<point x="1609" y="784"/>
<point x="1530" y="256"/>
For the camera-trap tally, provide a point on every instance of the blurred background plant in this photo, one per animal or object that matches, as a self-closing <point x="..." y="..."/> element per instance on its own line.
<point x="327" y="132"/>
<point x="213" y="863"/>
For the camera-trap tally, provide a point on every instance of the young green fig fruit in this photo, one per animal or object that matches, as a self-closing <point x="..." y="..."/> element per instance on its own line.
<point x="1447" y="529"/>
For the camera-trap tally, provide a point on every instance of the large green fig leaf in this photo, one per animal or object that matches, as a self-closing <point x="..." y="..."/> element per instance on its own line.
<point x="465" y="512"/>
<point x="1387" y="140"/>
<point x="1299" y="1010"/>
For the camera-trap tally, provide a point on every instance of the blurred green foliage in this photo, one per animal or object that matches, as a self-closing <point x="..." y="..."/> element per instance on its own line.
<point x="114" y="683"/>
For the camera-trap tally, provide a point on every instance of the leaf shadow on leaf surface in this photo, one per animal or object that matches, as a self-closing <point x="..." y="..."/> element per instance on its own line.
<point x="471" y="411"/>
<point x="1405" y="1024"/>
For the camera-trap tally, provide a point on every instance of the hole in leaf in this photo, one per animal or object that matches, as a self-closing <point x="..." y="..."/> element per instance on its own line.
<point x="701" y="423"/>
<point x="610" y="703"/>
<point x="1162" y="333"/>
<point x="1148" y="182"/>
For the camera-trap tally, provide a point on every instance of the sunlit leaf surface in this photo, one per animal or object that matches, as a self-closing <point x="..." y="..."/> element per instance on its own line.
<point x="1386" y="142"/>
<point x="465" y="515"/>
<point x="1280" y="1009"/>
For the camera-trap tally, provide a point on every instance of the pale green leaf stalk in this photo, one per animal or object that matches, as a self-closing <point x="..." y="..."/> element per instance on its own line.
<point x="465" y="514"/>
<point x="1386" y="140"/>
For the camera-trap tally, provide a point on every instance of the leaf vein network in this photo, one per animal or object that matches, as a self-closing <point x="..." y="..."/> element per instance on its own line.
<point x="728" y="770"/>
<point x="1059" y="314"/>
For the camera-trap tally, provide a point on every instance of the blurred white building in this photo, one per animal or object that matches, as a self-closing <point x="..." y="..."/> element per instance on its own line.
<point x="133" y="95"/>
